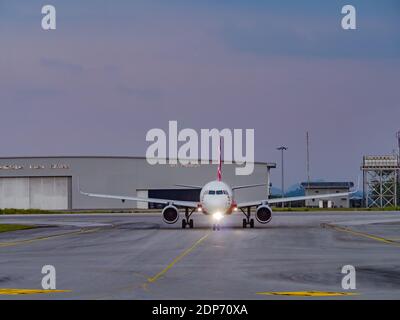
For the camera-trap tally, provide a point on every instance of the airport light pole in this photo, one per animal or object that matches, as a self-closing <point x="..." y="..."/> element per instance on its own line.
<point x="282" y="149"/>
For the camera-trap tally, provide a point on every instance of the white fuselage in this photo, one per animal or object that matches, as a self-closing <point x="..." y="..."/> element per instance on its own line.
<point x="216" y="197"/>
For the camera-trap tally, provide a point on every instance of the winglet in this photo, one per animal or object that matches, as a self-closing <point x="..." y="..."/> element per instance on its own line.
<point x="79" y="187"/>
<point x="358" y="185"/>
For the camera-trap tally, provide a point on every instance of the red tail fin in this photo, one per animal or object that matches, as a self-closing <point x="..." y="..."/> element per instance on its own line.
<point x="219" y="172"/>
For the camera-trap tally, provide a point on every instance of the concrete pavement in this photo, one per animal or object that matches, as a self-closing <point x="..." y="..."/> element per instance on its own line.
<point x="137" y="256"/>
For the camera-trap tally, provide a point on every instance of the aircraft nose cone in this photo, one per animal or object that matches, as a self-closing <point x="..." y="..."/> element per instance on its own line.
<point x="216" y="205"/>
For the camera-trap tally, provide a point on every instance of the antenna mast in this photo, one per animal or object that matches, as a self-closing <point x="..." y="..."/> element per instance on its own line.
<point x="398" y="142"/>
<point x="308" y="157"/>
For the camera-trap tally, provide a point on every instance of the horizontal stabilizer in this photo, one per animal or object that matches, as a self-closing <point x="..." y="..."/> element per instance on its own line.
<point x="188" y="204"/>
<point x="188" y="186"/>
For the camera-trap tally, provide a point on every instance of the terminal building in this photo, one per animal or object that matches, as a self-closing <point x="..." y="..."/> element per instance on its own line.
<point x="53" y="183"/>
<point x="318" y="188"/>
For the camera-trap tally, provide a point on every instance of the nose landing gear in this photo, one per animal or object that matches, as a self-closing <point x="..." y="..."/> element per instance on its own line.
<point x="216" y="226"/>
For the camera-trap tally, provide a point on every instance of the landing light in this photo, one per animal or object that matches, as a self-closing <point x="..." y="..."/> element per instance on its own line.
<point x="218" y="216"/>
<point x="199" y="209"/>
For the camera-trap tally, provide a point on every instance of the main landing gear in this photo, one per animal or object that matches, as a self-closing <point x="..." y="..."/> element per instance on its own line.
<point x="216" y="226"/>
<point x="187" y="221"/>
<point x="247" y="221"/>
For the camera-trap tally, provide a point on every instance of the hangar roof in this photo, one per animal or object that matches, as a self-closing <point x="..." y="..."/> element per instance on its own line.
<point x="327" y="185"/>
<point x="268" y="164"/>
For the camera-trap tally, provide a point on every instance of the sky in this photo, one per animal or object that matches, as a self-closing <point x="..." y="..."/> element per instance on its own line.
<point x="113" y="70"/>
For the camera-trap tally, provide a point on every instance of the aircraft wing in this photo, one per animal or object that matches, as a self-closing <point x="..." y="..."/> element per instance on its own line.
<point x="189" y="204"/>
<point x="290" y="199"/>
<point x="249" y="186"/>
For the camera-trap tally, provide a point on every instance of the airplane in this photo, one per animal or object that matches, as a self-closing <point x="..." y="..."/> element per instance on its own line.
<point x="217" y="200"/>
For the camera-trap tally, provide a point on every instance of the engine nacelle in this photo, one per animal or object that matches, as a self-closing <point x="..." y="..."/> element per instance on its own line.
<point x="264" y="214"/>
<point x="170" y="214"/>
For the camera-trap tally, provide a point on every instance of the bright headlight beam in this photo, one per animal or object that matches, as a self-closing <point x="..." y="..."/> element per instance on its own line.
<point x="218" y="216"/>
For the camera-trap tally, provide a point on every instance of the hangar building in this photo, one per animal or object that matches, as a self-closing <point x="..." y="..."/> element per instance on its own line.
<point x="53" y="182"/>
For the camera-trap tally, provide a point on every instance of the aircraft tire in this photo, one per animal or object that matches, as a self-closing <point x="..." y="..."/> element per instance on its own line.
<point x="184" y="223"/>
<point x="251" y="223"/>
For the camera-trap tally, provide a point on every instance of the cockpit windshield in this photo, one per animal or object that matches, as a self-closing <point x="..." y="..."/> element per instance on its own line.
<point x="217" y="192"/>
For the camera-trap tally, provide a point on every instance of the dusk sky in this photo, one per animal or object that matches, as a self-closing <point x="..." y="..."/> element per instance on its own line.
<point x="115" y="69"/>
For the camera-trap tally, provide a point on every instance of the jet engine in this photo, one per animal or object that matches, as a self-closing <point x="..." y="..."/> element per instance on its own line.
<point x="170" y="214"/>
<point x="264" y="214"/>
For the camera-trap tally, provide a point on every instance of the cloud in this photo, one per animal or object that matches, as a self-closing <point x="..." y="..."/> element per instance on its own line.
<point x="113" y="70"/>
<point x="146" y="93"/>
<point x="61" y="65"/>
<point x="314" y="36"/>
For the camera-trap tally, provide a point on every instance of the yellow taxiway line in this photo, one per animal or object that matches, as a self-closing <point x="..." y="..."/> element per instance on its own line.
<point x="361" y="234"/>
<point x="309" y="293"/>
<point x="26" y="241"/>
<point x="177" y="259"/>
<point x="7" y="291"/>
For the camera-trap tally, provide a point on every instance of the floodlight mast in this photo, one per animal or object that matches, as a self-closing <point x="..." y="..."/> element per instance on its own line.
<point x="282" y="149"/>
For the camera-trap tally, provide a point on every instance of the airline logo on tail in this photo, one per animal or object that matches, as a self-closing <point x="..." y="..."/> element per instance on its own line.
<point x="219" y="172"/>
